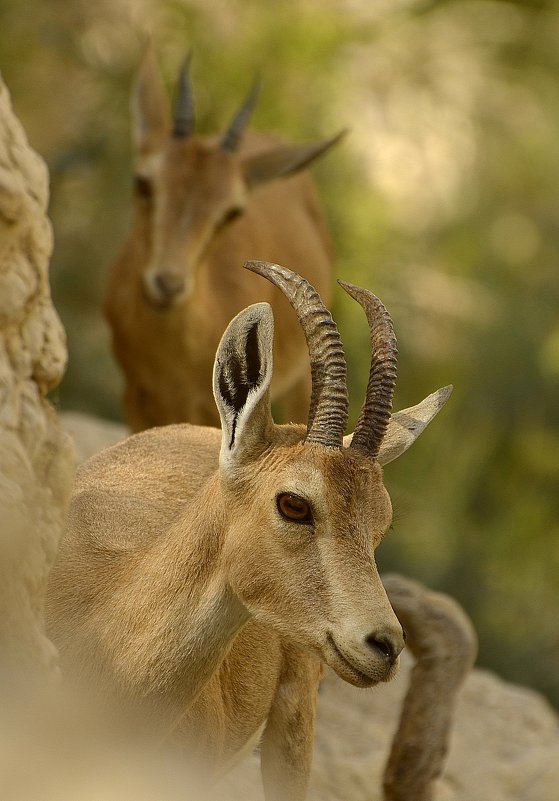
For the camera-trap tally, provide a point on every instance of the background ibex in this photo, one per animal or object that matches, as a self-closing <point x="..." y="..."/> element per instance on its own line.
<point x="206" y="574"/>
<point x="202" y="206"/>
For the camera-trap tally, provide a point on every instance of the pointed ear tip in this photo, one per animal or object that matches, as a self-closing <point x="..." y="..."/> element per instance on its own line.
<point x="256" y="316"/>
<point x="444" y="393"/>
<point x="255" y="313"/>
<point x="262" y="308"/>
<point x="336" y="138"/>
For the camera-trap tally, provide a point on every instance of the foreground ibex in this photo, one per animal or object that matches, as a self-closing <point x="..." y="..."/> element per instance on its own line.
<point x="206" y="574"/>
<point x="202" y="206"/>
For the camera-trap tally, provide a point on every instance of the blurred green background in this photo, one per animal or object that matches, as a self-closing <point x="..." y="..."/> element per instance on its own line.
<point x="443" y="200"/>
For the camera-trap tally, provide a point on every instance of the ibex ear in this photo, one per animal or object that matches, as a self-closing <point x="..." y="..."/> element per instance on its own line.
<point x="404" y="427"/>
<point x="150" y="115"/>
<point x="241" y="384"/>
<point x="284" y="160"/>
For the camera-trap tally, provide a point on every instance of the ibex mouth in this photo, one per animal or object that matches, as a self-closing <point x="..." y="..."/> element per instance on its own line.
<point x="348" y="671"/>
<point x="158" y="304"/>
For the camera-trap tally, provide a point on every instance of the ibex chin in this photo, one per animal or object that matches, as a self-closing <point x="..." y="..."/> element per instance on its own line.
<point x="207" y="574"/>
<point x="202" y="206"/>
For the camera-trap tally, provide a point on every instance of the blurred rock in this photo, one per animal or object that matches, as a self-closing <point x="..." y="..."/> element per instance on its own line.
<point x="91" y="434"/>
<point x="504" y="746"/>
<point x="36" y="458"/>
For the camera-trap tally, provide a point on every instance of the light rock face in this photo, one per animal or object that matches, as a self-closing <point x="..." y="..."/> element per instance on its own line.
<point x="36" y="457"/>
<point x="91" y="434"/>
<point x="504" y="745"/>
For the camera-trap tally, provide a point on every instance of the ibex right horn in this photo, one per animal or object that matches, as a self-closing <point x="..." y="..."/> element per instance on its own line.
<point x="183" y="119"/>
<point x="329" y="403"/>
<point x="232" y="137"/>
<point x="375" y="412"/>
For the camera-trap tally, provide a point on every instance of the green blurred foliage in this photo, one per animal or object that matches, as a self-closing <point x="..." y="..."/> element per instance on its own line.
<point x="443" y="199"/>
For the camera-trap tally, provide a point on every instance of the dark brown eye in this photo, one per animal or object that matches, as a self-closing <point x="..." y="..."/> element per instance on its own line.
<point x="143" y="187"/>
<point x="294" y="508"/>
<point x="232" y="214"/>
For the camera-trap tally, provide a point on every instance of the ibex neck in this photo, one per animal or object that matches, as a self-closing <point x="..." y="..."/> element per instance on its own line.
<point x="185" y="616"/>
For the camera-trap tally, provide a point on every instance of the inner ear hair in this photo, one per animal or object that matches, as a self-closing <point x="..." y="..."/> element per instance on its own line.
<point x="241" y="373"/>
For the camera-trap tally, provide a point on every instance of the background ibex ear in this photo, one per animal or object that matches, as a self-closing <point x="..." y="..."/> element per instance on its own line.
<point x="284" y="160"/>
<point x="150" y="114"/>
<point x="241" y="384"/>
<point x="405" y="426"/>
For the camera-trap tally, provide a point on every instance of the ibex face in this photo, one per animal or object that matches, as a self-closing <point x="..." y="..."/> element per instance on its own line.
<point x="193" y="189"/>
<point x="309" y="512"/>
<point x="302" y="557"/>
<point x="189" y="189"/>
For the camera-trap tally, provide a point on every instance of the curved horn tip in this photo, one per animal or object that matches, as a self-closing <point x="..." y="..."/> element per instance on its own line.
<point x="365" y="298"/>
<point x="262" y="267"/>
<point x="183" y="119"/>
<point x="283" y="278"/>
<point x="254" y="265"/>
<point x="231" y="139"/>
<point x="357" y="292"/>
<point x="186" y="60"/>
<point x="255" y="87"/>
<point x="184" y="69"/>
<point x="253" y="93"/>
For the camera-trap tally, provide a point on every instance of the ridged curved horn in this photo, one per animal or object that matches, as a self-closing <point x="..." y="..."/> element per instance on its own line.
<point x="329" y="404"/>
<point x="232" y="136"/>
<point x="183" y="119"/>
<point x="375" y="412"/>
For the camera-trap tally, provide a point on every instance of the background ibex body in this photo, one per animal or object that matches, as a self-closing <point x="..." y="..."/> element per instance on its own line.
<point x="207" y="574"/>
<point x="202" y="206"/>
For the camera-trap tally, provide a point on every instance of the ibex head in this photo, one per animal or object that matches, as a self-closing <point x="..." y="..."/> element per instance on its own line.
<point x="311" y="510"/>
<point x="188" y="188"/>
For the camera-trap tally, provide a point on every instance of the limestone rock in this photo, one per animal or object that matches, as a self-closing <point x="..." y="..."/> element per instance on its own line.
<point x="36" y="458"/>
<point x="91" y="434"/>
<point x="504" y="745"/>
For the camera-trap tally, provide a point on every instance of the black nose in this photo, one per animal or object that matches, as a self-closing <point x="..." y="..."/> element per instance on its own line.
<point x="389" y="644"/>
<point x="169" y="284"/>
